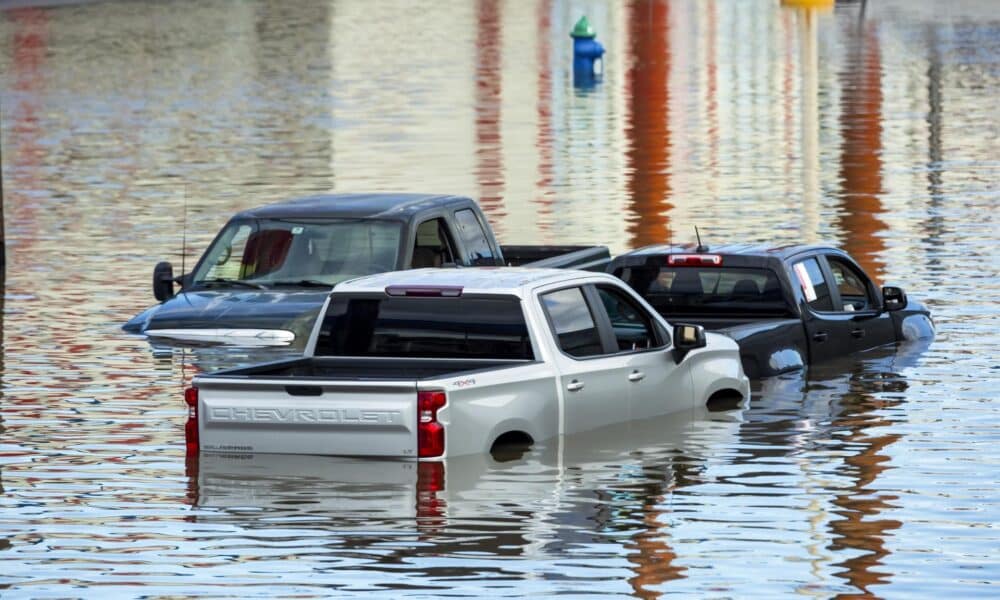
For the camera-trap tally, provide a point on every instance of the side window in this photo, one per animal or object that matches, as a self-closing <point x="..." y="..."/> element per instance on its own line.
<point x="851" y="285"/>
<point x="433" y="246"/>
<point x="574" y="326"/>
<point x="474" y="238"/>
<point x="632" y="326"/>
<point x="814" y="287"/>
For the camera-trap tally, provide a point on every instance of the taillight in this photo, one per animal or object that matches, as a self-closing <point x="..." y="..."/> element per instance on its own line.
<point x="191" y="427"/>
<point x="694" y="260"/>
<point x="430" y="433"/>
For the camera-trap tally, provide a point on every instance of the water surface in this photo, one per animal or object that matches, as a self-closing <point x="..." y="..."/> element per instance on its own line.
<point x="873" y="126"/>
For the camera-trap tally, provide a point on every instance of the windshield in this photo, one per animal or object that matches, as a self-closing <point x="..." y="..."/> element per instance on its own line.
<point x="268" y="252"/>
<point x="709" y="291"/>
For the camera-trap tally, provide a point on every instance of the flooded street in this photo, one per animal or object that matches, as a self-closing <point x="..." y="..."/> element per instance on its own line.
<point x="132" y="131"/>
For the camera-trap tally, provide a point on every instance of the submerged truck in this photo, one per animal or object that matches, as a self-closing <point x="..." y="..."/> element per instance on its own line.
<point x="267" y="273"/>
<point x="786" y="306"/>
<point x="434" y="363"/>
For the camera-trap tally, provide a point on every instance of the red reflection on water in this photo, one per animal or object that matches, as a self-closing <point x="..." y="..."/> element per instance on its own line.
<point x="489" y="152"/>
<point x="30" y="47"/>
<point x="860" y="158"/>
<point x="431" y="505"/>
<point x="544" y="108"/>
<point x="648" y="128"/>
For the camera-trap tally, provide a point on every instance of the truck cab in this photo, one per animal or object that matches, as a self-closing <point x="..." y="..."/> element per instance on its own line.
<point x="787" y="306"/>
<point x="265" y="276"/>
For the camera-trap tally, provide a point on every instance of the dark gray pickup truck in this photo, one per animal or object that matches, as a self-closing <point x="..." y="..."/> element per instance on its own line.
<point x="265" y="276"/>
<point x="785" y="306"/>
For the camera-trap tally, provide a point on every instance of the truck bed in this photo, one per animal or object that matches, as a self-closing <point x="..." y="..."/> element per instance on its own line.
<point x="768" y="346"/>
<point x="363" y="369"/>
<point x="588" y="258"/>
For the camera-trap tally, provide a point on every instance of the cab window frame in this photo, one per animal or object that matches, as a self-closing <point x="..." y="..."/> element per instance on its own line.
<point x="834" y="296"/>
<point x="872" y="304"/>
<point x="601" y="336"/>
<point x="479" y="233"/>
<point x="660" y="338"/>
<point x="602" y="322"/>
<point x="444" y="231"/>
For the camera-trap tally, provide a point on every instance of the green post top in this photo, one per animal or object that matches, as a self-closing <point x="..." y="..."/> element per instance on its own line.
<point x="583" y="30"/>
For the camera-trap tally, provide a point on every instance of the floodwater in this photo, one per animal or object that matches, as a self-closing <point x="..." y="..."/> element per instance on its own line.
<point x="874" y="125"/>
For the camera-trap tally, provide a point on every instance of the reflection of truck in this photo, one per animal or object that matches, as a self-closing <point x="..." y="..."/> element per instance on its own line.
<point x="785" y="306"/>
<point x="269" y="270"/>
<point x="549" y="482"/>
<point x="440" y="362"/>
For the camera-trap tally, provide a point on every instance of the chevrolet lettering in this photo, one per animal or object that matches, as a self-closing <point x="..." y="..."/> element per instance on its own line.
<point x="341" y="416"/>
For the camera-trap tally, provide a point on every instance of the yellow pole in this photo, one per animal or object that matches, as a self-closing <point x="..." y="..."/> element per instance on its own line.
<point x="809" y="3"/>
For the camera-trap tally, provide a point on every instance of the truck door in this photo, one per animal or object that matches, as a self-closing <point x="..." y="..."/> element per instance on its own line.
<point x="858" y="298"/>
<point x="828" y="330"/>
<point x="657" y="385"/>
<point x="594" y="383"/>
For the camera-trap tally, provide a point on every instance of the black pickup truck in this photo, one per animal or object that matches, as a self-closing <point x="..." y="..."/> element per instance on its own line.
<point x="265" y="276"/>
<point x="785" y="306"/>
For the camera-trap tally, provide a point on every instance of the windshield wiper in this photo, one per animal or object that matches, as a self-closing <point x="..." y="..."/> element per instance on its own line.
<point x="302" y="283"/>
<point x="234" y="282"/>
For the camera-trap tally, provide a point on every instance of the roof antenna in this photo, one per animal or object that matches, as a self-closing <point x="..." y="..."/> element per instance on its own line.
<point x="700" y="248"/>
<point x="184" y="223"/>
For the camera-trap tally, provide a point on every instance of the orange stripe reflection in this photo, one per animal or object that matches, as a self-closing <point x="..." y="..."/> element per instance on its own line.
<point x="860" y="160"/>
<point x="648" y="130"/>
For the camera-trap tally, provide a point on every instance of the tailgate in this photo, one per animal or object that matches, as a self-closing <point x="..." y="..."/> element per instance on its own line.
<point x="330" y="418"/>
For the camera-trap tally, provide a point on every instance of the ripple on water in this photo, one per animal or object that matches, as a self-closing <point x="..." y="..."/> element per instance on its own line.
<point x="131" y="142"/>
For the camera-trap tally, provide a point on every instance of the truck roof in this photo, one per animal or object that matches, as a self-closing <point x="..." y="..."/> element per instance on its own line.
<point x="474" y="280"/>
<point x="757" y="250"/>
<point x="384" y="205"/>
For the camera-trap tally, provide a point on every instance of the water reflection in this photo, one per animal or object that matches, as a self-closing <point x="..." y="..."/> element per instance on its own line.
<point x="848" y="404"/>
<point x="4" y="542"/>
<point x="648" y="129"/>
<point x="644" y="488"/>
<point x="807" y="31"/>
<point x="489" y="150"/>
<point x="741" y="117"/>
<point x="612" y="485"/>
<point x="861" y="150"/>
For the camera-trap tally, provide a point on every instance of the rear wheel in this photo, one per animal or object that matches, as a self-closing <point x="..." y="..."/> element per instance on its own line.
<point x="725" y="400"/>
<point x="511" y="446"/>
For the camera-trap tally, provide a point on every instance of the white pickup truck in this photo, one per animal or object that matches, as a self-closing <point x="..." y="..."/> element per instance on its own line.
<point x="433" y="363"/>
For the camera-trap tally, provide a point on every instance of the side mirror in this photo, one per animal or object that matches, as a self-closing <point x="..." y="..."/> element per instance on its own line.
<point x="893" y="298"/>
<point x="687" y="337"/>
<point x="163" y="281"/>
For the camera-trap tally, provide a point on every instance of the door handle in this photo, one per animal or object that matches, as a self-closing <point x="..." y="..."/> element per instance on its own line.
<point x="636" y="376"/>
<point x="574" y="386"/>
<point x="858" y="333"/>
<point x="820" y="336"/>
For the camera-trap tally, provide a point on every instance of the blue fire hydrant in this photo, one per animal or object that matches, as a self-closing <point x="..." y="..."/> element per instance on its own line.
<point x="586" y="52"/>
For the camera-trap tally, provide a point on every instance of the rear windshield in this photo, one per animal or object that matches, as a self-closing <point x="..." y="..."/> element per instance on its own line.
<point x="414" y="327"/>
<point x="709" y="291"/>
